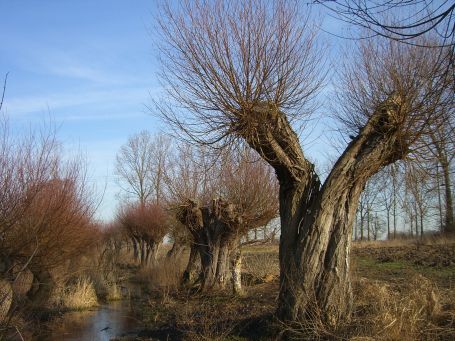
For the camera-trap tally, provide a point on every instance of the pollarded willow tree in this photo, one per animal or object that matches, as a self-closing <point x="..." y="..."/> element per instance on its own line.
<point x="218" y="200"/>
<point x="247" y="71"/>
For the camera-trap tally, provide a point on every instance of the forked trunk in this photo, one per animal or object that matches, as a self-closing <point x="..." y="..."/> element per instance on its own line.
<point x="152" y="251"/>
<point x="315" y="276"/>
<point x="143" y="252"/>
<point x="135" y="249"/>
<point x="176" y="251"/>
<point x="214" y="254"/>
<point x="316" y="222"/>
<point x="42" y="287"/>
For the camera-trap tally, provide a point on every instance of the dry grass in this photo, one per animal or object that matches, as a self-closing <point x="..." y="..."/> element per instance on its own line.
<point x="113" y="292"/>
<point x="79" y="295"/>
<point x="381" y="312"/>
<point x="427" y="239"/>
<point x="205" y="328"/>
<point x="397" y="304"/>
<point x="260" y="265"/>
<point x="165" y="276"/>
<point x="6" y="298"/>
<point x="389" y="314"/>
<point x="391" y="302"/>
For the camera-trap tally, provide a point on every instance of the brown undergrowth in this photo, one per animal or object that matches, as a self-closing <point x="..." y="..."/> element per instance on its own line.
<point x="394" y="300"/>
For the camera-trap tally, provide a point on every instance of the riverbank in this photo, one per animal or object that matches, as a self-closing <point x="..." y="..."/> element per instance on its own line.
<point x="397" y="297"/>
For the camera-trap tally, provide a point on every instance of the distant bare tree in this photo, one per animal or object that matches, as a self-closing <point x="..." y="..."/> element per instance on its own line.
<point x="367" y="208"/>
<point x="441" y="146"/>
<point x="246" y="71"/>
<point x="141" y="164"/>
<point x="421" y="191"/>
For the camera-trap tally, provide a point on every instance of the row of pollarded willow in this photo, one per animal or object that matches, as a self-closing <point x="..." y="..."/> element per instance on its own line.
<point x="141" y="166"/>
<point x="235" y="192"/>
<point x="245" y="71"/>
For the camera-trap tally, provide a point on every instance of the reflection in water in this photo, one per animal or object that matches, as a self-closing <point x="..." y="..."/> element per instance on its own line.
<point x="101" y="324"/>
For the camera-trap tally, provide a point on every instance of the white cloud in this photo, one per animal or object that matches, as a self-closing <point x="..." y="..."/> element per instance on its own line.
<point x="55" y="102"/>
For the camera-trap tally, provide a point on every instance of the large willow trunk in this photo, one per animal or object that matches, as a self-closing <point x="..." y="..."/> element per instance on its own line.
<point x="316" y="221"/>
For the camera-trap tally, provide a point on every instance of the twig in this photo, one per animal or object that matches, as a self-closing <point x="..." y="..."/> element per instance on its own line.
<point x="4" y="90"/>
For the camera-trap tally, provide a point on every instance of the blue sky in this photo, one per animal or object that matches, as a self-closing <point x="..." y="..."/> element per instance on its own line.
<point x="91" y="67"/>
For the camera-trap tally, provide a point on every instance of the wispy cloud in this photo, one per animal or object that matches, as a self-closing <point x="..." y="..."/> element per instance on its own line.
<point x="98" y="98"/>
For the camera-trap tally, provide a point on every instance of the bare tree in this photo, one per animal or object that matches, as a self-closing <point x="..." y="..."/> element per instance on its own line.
<point x="442" y="142"/>
<point x="421" y="191"/>
<point x="141" y="164"/>
<point x="388" y="189"/>
<point x="244" y="71"/>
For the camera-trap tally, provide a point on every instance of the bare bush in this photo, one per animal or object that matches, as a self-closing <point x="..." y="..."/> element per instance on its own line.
<point x="46" y="211"/>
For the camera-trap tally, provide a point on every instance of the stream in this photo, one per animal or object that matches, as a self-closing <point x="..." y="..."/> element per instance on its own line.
<point x="99" y="324"/>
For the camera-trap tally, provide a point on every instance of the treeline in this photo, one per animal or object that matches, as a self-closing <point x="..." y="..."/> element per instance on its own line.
<point x="414" y="197"/>
<point x="206" y="203"/>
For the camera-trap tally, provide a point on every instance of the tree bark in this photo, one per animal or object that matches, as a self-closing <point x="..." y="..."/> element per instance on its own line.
<point x="188" y="274"/>
<point x="142" y="248"/>
<point x="42" y="287"/>
<point x="177" y="249"/>
<point x="135" y="249"/>
<point x="152" y="251"/>
<point x="236" y="276"/>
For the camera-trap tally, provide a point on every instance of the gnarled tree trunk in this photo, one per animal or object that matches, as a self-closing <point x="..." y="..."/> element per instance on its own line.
<point x="316" y="222"/>
<point x="215" y="234"/>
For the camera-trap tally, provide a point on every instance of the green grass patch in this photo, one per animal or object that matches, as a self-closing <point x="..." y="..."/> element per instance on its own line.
<point x="370" y="267"/>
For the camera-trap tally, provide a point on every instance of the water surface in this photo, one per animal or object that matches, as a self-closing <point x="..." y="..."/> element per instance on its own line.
<point x="98" y="324"/>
